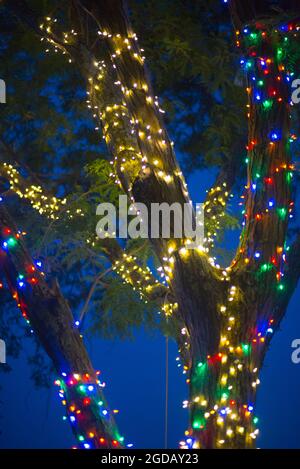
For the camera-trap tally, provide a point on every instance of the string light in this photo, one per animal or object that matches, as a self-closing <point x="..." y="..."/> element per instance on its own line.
<point x="267" y="94"/>
<point x="46" y="205"/>
<point x="142" y="153"/>
<point x="82" y="395"/>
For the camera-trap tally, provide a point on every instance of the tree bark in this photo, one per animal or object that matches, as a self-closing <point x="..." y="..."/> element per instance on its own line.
<point x="229" y="316"/>
<point x="48" y="314"/>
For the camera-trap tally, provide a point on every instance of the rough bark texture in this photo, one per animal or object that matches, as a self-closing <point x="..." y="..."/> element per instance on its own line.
<point x="49" y="315"/>
<point x="222" y="356"/>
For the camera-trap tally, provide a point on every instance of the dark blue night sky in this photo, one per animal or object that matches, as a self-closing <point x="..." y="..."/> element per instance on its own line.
<point x="135" y="375"/>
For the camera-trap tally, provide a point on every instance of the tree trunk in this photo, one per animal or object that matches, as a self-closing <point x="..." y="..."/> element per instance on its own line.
<point x="223" y="386"/>
<point x="48" y="314"/>
<point x="228" y="316"/>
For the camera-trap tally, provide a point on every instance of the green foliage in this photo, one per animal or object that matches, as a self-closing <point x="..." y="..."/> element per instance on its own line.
<point x="49" y="133"/>
<point x="119" y="312"/>
<point x="142" y="249"/>
<point x="41" y="370"/>
<point x="99" y="172"/>
<point x="194" y="65"/>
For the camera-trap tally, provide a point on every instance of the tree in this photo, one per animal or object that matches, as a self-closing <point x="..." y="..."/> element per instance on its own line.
<point x="223" y="318"/>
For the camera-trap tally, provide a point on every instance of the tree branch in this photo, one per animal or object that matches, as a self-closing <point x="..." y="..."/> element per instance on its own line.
<point x="47" y="311"/>
<point x="44" y="204"/>
<point x="140" y="279"/>
<point x="217" y="198"/>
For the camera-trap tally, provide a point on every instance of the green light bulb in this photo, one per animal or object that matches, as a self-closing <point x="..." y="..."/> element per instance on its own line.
<point x="282" y="212"/>
<point x="196" y="424"/>
<point x="246" y="348"/>
<point x="11" y="242"/>
<point x="267" y="104"/>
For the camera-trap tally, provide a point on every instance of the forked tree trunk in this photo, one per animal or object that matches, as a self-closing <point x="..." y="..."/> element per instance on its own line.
<point x="228" y="316"/>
